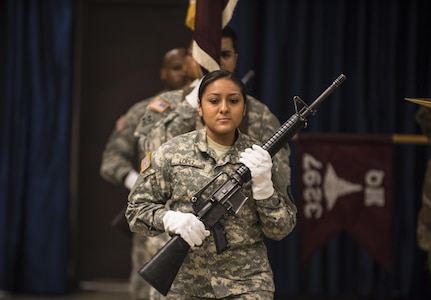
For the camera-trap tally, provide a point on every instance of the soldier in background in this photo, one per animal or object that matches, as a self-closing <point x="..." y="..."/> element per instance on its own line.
<point x="423" y="118"/>
<point x="122" y="155"/>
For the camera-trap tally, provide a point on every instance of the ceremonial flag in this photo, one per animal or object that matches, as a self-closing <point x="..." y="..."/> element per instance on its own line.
<point x="207" y="18"/>
<point x="345" y="184"/>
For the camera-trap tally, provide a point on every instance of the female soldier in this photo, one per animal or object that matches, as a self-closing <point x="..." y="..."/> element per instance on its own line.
<point x="182" y="166"/>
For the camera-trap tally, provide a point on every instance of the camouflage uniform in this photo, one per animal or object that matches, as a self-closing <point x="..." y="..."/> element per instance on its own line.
<point x="423" y="117"/>
<point x="121" y="155"/>
<point x="177" y="170"/>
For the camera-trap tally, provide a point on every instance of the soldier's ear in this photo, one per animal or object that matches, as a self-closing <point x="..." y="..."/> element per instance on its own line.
<point x="200" y="108"/>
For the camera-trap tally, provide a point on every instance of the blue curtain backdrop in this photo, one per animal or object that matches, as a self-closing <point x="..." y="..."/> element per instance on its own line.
<point x="35" y="107"/>
<point x="298" y="47"/>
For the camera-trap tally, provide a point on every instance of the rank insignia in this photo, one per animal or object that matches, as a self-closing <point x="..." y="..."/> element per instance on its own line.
<point x="158" y="105"/>
<point x="146" y="162"/>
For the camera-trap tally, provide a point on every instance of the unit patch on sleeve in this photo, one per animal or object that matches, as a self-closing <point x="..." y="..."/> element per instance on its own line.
<point x="146" y="162"/>
<point x="158" y="105"/>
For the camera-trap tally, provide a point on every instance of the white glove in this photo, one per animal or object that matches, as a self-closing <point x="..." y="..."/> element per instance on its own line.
<point x="187" y="225"/>
<point x="130" y="179"/>
<point x="259" y="162"/>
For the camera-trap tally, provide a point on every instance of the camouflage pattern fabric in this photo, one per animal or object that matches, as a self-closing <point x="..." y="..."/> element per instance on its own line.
<point x="176" y="171"/>
<point x="423" y="117"/>
<point x="122" y="154"/>
<point x="256" y="295"/>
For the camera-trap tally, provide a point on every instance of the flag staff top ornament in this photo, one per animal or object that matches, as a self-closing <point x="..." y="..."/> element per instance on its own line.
<point x="206" y="19"/>
<point x="421" y="101"/>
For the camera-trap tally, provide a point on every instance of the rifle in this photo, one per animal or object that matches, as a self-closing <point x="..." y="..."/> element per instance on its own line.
<point x="160" y="271"/>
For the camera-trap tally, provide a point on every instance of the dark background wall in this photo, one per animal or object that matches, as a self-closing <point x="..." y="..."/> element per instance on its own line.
<point x="119" y="48"/>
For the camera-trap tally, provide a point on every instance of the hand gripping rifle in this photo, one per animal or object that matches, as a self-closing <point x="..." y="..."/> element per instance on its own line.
<point x="160" y="271"/>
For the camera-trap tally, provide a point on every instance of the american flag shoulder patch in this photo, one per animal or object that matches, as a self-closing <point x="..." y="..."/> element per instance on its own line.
<point x="158" y="105"/>
<point x="146" y="162"/>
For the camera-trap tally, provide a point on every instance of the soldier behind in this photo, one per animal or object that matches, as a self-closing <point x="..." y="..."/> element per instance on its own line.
<point x="423" y="118"/>
<point x="180" y="167"/>
<point x="121" y="158"/>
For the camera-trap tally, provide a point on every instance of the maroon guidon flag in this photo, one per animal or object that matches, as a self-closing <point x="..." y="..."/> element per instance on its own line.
<point x="345" y="185"/>
<point x="207" y="18"/>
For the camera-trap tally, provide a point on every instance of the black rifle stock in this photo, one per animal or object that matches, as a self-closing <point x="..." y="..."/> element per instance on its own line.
<point x="160" y="271"/>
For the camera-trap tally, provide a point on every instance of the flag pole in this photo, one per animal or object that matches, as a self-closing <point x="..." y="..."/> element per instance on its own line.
<point x="410" y="139"/>
<point x="397" y="138"/>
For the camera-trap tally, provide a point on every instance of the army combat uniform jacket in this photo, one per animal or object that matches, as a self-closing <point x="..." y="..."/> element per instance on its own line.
<point x="177" y="170"/>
